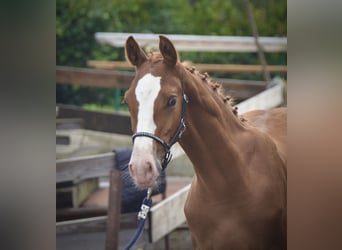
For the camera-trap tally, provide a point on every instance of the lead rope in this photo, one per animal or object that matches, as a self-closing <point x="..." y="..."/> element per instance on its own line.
<point x="142" y="215"/>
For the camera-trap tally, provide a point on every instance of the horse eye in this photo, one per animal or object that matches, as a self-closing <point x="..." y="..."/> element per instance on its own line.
<point x="172" y="101"/>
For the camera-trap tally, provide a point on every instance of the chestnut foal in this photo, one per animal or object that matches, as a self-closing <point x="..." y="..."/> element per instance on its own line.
<point x="237" y="198"/>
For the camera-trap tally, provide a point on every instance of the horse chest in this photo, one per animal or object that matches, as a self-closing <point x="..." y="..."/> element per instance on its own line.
<point x="207" y="223"/>
<point x="215" y="225"/>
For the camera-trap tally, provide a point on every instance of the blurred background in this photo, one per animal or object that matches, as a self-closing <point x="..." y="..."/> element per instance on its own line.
<point x="78" y="20"/>
<point x="91" y="123"/>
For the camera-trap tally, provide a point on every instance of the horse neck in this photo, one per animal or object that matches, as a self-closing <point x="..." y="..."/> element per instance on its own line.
<point x="211" y="140"/>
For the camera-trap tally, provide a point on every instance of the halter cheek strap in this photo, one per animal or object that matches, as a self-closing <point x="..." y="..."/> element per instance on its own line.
<point x="175" y="137"/>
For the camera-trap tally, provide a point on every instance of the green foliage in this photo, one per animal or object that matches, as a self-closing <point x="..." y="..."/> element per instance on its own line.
<point x="103" y="108"/>
<point x="76" y="23"/>
<point x="78" y="20"/>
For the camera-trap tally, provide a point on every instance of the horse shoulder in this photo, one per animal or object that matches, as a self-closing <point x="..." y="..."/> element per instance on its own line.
<point x="272" y="122"/>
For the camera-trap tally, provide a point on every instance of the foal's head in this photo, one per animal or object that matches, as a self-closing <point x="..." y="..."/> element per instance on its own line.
<point x="156" y="103"/>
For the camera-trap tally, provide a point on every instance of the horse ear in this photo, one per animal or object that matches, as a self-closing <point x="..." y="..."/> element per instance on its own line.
<point x="168" y="51"/>
<point x="134" y="53"/>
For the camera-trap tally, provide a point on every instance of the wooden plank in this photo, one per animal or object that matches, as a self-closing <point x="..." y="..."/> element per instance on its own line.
<point x="74" y="194"/>
<point x="261" y="55"/>
<point x="82" y="190"/>
<point x="239" y="68"/>
<point x="230" y="68"/>
<point x="114" y="210"/>
<point x="197" y="42"/>
<point x="80" y="168"/>
<point x="69" y="123"/>
<point x="93" y="77"/>
<point x="79" y="213"/>
<point x="241" y="90"/>
<point x="270" y="98"/>
<point x="168" y="214"/>
<point x="62" y="139"/>
<point x="94" y="224"/>
<point x="99" y="121"/>
<point x="126" y="84"/>
<point x="109" y="65"/>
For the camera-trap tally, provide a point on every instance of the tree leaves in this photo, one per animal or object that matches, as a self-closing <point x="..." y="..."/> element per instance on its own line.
<point x="78" y="20"/>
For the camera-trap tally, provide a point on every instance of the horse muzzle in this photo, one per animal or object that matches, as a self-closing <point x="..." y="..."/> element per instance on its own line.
<point x="144" y="168"/>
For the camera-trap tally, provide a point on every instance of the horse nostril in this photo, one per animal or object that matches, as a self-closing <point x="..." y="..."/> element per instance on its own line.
<point x="130" y="166"/>
<point x="149" y="167"/>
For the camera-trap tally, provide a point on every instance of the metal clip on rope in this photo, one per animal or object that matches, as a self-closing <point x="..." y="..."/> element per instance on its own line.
<point x="145" y="206"/>
<point x="142" y="215"/>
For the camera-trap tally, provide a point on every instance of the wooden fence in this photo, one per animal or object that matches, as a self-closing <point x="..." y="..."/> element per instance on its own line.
<point x="93" y="77"/>
<point x="239" y="89"/>
<point x="231" y="68"/>
<point x="80" y="168"/>
<point x="84" y="220"/>
<point x="197" y="42"/>
<point x="168" y="214"/>
<point x="119" y="123"/>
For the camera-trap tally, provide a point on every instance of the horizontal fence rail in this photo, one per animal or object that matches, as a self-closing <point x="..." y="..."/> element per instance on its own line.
<point x="231" y="68"/>
<point x="81" y="168"/>
<point x="197" y="42"/>
<point x="93" y="77"/>
<point x="118" y="123"/>
<point x="238" y="89"/>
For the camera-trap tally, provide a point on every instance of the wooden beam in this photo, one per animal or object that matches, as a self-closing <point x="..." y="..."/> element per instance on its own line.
<point x="62" y="139"/>
<point x="197" y="42"/>
<point x="270" y="98"/>
<point x="79" y="213"/>
<point x="80" y="168"/>
<point x="230" y="68"/>
<point x="109" y="65"/>
<point x="93" y="77"/>
<point x="233" y="88"/>
<point x="69" y="123"/>
<point x="114" y="210"/>
<point x="241" y="90"/>
<point x="260" y="48"/>
<point x="239" y="68"/>
<point x="99" y="121"/>
<point x="95" y="224"/>
<point x="168" y="214"/>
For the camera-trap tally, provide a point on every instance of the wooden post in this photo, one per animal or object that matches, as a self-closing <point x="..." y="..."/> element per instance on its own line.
<point x="254" y="28"/>
<point x="114" y="210"/>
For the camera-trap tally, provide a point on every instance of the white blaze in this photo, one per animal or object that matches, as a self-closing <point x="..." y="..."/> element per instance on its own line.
<point x="146" y="92"/>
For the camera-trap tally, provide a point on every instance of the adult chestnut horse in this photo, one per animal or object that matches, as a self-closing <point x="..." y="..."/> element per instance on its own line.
<point x="237" y="198"/>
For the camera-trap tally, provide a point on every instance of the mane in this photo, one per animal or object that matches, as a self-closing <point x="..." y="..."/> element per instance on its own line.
<point x="215" y="86"/>
<point x="155" y="57"/>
